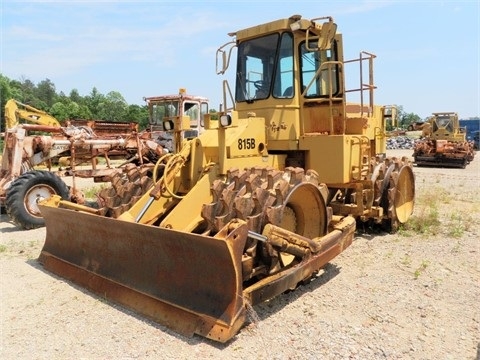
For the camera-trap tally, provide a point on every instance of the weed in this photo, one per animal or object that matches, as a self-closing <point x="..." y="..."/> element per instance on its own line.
<point x="402" y="230"/>
<point x="426" y="222"/>
<point x="455" y="226"/>
<point x="421" y="269"/>
<point x="91" y="192"/>
<point x="416" y="274"/>
<point x="427" y="219"/>
<point x="3" y="248"/>
<point x="407" y="260"/>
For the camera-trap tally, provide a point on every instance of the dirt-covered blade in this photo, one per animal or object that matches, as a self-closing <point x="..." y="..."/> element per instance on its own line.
<point x="187" y="282"/>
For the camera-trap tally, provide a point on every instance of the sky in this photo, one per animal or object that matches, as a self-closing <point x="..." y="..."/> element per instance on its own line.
<point x="428" y="52"/>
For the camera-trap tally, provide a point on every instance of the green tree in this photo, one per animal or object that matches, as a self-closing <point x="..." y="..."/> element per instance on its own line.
<point x="75" y="96"/>
<point x="69" y="110"/>
<point x="6" y="94"/>
<point x="27" y="93"/>
<point x="113" y="107"/>
<point x="95" y="106"/>
<point x="138" y="114"/>
<point x="213" y="114"/>
<point x="405" y="119"/>
<point x="59" y="111"/>
<point x="83" y="112"/>
<point x="408" y="119"/>
<point x="93" y="102"/>
<point x="45" y="92"/>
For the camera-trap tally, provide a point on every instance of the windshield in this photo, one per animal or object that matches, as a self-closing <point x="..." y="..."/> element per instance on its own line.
<point x="443" y="122"/>
<point x="170" y="108"/>
<point x="160" y="110"/>
<point x="264" y="67"/>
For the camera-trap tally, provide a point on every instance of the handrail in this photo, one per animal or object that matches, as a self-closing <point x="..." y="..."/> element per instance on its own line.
<point x="363" y="87"/>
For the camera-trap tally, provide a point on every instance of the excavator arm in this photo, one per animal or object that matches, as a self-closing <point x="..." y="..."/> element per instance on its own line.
<point x="15" y="110"/>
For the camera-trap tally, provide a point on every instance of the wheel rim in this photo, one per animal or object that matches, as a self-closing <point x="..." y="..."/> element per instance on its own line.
<point x="304" y="213"/>
<point x="404" y="194"/>
<point x="34" y="195"/>
<point x="310" y="211"/>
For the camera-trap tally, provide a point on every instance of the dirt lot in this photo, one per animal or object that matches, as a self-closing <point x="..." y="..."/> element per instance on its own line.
<point x="410" y="295"/>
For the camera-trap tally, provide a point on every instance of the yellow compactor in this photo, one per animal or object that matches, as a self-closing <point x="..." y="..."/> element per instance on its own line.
<point x="258" y="203"/>
<point x="444" y="142"/>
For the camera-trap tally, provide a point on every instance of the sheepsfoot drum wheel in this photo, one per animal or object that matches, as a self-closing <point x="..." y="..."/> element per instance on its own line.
<point x="125" y="190"/>
<point x="395" y="192"/>
<point x="290" y="200"/>
<point x="24" y="193"/>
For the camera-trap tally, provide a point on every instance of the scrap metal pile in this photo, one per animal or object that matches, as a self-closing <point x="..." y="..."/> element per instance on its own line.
<point x="72" y="151"/>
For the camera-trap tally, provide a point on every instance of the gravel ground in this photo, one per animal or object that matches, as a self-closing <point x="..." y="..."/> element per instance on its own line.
<point x="387" y="296"/>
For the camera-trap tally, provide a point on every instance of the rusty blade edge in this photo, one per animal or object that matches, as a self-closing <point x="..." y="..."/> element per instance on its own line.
<point x="173" y="317"/>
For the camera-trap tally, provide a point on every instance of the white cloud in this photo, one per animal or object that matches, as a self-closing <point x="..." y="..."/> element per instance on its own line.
<point x="71" y="41"/>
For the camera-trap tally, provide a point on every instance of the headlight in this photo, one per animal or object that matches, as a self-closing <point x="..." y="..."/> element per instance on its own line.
<point x="168" y="125"/>
<point x="225" y="120"/>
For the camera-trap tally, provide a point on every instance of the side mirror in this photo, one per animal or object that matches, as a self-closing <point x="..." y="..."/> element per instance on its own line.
<point x="223" y="57"/>
<point x="325" y="32"/>
<point x="329" y="29"/>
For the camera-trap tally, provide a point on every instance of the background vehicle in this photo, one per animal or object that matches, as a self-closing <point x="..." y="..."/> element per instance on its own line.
<point x="258" y="203"/>
<point x="80" y="142"/>
<point x="476" y="139"/>
<point x="444" y="143"/>
<point x="15" y="111"/>
<point x="178" y="105"/>
<point x="27" y="172"/>
<point x="418" y="125"/>
<point x="471" y="125"/>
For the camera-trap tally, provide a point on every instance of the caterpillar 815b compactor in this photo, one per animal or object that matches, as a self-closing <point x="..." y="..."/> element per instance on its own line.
<point x="258" y="203"/>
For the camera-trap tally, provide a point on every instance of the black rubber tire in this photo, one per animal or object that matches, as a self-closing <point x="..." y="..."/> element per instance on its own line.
<point x="23" y="193"/>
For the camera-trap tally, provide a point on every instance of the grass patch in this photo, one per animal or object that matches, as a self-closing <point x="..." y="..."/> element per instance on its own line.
<point x="91" y="192"/>
<point x="406" y="260"/>
<point x="456" y="226"/>
<point x="428" y="220"/>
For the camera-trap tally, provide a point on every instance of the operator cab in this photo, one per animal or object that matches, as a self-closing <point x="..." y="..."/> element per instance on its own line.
<point x="163" y="110"/>
<point x="266" y="67"/>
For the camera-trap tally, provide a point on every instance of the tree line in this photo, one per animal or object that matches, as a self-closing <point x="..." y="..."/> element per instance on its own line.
<point x="97" y="106"/>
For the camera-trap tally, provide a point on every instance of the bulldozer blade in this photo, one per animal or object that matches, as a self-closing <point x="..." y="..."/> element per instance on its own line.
<point x="190" y="283"/>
